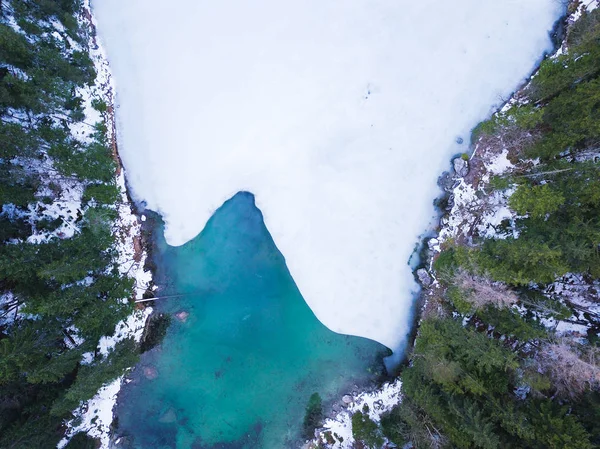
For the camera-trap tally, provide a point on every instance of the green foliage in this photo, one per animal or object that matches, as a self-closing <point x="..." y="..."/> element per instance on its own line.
<point x="587" y="411"/>
<point x="449" y="260"/>
<point x="406" y="423"/>
<point x="101" y="193"/>
<point x="561" y="73"/>
<point x="572" y="119"/>
<point x="394" y="426"/>
<point x="467" y="360"/>
<point x="486" y="127"/>
<point x="561" y="233"/>
<point x="585" y="31"/>
<point x="457" y="298"/>
<point x="555" y="429"/>
<point x="366" y="430"/>
<point x="537" y="200"/>
<point x="25" y="354"/>
<point x="526" y="116"/>
<point x="70" y="287"/>
<point x="499" y="182"/>
<point x="329" y="438"/>
<point x="508" y="322"/>
<point x="99" y="105"/>
<point x="91" y="377"/>
<point x="313" y="416"/>
<point x="463" y="381"/>
<point x="36" y="429"/>
<point x="520" y="261"/>
<point x="92" y="162"/>
<point x="82" y="441"/>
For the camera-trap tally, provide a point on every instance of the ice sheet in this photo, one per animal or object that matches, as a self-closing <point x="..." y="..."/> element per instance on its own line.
<point x="338" y="116"/>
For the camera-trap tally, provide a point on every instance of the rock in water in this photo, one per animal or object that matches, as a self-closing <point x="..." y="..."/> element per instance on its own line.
<point x="169" y="417"/>
<point x="150" y="372"/>
<point x="347" y="399"/>
<point x="461" y="166"/>
<point x="182" y="316"/>
<point x="424" y="277"/>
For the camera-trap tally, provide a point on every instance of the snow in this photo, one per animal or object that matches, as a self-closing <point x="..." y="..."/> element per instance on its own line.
<point x="133" y="326"/>
<point x="67" y="203"/>
<point x="66" y="207"/>
<point x="95" y="416"/>
<point x="499" y="164"/>
<point x="338" y="116"/>
<point x="98" y="418"/>
<point x="581" y="294"/>
<point x="588" y="5"/>
<point x="379" y="402"/>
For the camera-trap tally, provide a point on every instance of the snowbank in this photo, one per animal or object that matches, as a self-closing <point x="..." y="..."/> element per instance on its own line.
<point x="337" y="116"/>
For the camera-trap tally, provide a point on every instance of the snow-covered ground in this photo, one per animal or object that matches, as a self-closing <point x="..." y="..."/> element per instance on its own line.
<point x="95" y="416"/>
<point x="476" y="211"/>
<point x="338" y="116"/>
<point x="378" y="402"/>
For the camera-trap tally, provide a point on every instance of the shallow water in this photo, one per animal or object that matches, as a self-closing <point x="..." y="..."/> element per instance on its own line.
<point x="238" y="372"/>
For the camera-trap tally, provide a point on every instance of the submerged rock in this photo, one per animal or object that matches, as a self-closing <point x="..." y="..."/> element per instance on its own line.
<point x="424" y="277"/>
<point x="155" y="331"/>
<point x="445" y="181"/>
<point x="169" y="417"/>
<point x="150" y="372"/>
<point x="347" y="399"/>
<point x="461" y="166"/>
<point x="182" y="316"/>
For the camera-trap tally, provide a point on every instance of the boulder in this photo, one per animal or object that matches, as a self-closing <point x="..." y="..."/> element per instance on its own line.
<point x="182" y="316"/>
<point x="445" y="181"/>
<point x="347" y="399"/>
<point x="461" y="166"/>
<point x="424" y="277"/>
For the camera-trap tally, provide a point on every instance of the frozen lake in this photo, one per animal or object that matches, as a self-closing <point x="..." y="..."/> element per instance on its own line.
<point x="337" y="115"/>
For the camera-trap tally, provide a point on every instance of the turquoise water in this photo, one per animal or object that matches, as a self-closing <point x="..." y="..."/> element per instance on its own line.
<point x="238" y="372"/>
